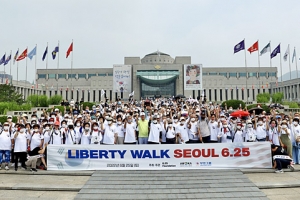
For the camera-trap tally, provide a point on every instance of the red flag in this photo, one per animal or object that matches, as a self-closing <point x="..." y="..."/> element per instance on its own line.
<point x="23" y="55"/>
<point x="69" y="50"/>
<point x="254" y="47"/>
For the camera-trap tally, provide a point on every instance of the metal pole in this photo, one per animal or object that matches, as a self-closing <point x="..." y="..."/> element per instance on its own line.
<point x="258" y="66"/>
<point x="246" y="73"/>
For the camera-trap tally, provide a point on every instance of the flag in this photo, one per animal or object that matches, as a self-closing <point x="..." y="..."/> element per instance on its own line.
<point x="16" y="55"/>
<point x="7" y="60"/>
<point x="253" y="48"/>
<point x="240" y="46"/>
<point x="275" y="51"/>
<point x="32" y="53"/>
<point x="287" y="52"/>
<point x="131" y="94"/>
<point x="45" y="53"/>
<point x="102" y="92"/>
<point x="294" y="55"/>
<point x="23" y="55"/>
<point x="54" y="52"/>
<point x="69" y="50"/>
<point x="266" y="49"/>
<point x="2" y="61"/>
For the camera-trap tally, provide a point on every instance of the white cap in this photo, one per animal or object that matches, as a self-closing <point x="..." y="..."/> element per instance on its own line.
<point x="142" y="114"/>
<point x="9" y="116"/>
<point x="66" y="115"/>
<point x="56" y="110"/>
<point x="182" y="118"/>
<point x="24" y="115"/>
<point x="79" y="116"/>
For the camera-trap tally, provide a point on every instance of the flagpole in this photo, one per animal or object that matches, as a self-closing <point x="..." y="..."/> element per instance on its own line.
<point x="280" y="63"/>
<point x="18" y="73"/>
<point x="10" y="67"/>
<point x="246" y="73"/>
<point x="47" y="65"/>
<point x="258" y="64"/>
<point x="290" y="63"/>
<point x="4" y="67"/>
<point x="296" y="61"/>
<point x="35" y="70"/>
<point x="270" y="57"/>
<point x="26" y="79"/>
<point x="57" y="65"/>
<point x="72" y="64"/>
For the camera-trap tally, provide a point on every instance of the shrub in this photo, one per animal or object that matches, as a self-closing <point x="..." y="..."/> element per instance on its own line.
<point x="89" y="104"/>
<point x="55" y="100"/>
<point x="291" y="104"/>
<point x="263" y="98"/>
<point x="11" y="106"/>
<point x="263" y="106"/>
<point x="277" y="97"/>
<point x="38" y="100"/>
<point x="61" y="109"/>
<point x="235" y="104"/>
<point x="4" y="119"/>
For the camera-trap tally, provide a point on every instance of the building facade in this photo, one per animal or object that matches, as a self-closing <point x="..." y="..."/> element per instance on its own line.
<point x="157" y="74"/>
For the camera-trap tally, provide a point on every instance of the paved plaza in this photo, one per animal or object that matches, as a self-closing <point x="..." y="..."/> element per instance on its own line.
<point x="175" y="184"/>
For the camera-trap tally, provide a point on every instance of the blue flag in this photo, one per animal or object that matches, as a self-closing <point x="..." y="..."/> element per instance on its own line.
<point x="16" y="56"/>
<point x="54" y="52"/>
<point x="275" y="51"/>
<point x="32" y="53"/>
<point x="240" y="46"/>
<point x="7" y="60"/>
<point x="45" y="53"/>
<point x="2" y="60"/>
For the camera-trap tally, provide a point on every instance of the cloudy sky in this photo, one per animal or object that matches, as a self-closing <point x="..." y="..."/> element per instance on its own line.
<point x="105" y="31"/>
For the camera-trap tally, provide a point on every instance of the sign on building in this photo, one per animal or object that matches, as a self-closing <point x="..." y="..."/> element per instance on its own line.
<point x="122" y="78"/>
<point x="193" y="77"/>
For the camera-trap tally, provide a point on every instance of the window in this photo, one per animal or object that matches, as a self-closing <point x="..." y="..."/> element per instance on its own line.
<point x="71" y="75"/>
<point x="204" y="73"/>
<point x="81" y="75"/>
<point x="242" y="74"/>
<point x="221" y="97"/>
<point x="243" y="98"/>
<point x="41" y="76"/>
<point x="209" y="93"/>
<point x="262" y="74"/>
<point x="62" y="75"/>
<point x="226" y="94"/>
<point x="51" y="75"/>
<point x="232" y="74"/>
<point x="213" y="73"/>
<point x="237" y="94"/>
<point x="215" y="94"/>
<point x="223" y="74"/>
<point x="101" y="74"/>
<point x="251" y="74"/>
<point x="90" y="75"/>
<point x="109" y="74"/>
<point x="272" y="74"/>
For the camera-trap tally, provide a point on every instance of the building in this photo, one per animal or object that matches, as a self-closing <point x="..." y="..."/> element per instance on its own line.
<point x="157" y="74"/>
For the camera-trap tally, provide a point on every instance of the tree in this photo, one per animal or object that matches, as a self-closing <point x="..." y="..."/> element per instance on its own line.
<point x="9" y="94"/>
<point x="263" y="98"/>
<point x="277" y="97"/>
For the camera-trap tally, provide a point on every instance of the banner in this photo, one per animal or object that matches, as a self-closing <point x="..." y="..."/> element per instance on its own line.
<point x="192" y="77"/>
<point x="159" y="157"/>
<point x="122" y="78"/>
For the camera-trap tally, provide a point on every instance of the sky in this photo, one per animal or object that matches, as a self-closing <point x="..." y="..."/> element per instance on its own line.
<point x="106" y="31"/>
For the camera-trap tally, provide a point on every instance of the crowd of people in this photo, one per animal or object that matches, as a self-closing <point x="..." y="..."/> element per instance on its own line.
<point x="158" y="121"/>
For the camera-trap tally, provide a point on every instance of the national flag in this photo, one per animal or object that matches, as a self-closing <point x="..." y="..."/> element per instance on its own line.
<point x="294" y="55"/>
<point x="54" y="52"/>
<point x="266" y="49"/>
<point x="131" y="94"/>
<point x="254" y="47"/>
<point x="45" y="53"/>
<point x="240" y="46"/>
<point x="67" y="88"/>
<point x="23" y="55"/>
<point x="7" y="60"/>
<point x="69" y="50"/>
<point x="16" y="56"/>
<point x="2" y="61"/>
<point x="102" y="92"/>
<point x="252" y="87"/>
<point x="287" y="52"/>
<point x="32" y="53"/>
<point x="275" y="51"/>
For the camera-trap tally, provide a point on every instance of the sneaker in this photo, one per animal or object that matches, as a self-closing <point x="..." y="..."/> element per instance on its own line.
<point x="279" y="171"/>
<point x="16" y="169"/>
<point x="291" y="167"/>
<point x="6" y="167"/>
<point x="33" y="170"/>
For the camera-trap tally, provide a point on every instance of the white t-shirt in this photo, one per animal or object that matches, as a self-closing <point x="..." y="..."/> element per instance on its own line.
<point x="183" y="131"/>
<point x="109" y="134"/>
<point x="71" y="137"/>
<point x="5" y="140"/>
<point x="21" y="142"/>
<point x="35" y="140"/>
<point x="213" y="128"/>
<point x="56" y="137"/>
<point x="274" y="136"/>
<point x="129" y="133"/>
<point x="193" y="131"/>
<point x="120" y="130"/>
<point x="85" y="138"/>
<point x="261" y="132"/>
<point x="47" y="135"/>
<point x="170" y="132"/>
<point x="154" y="133"/>
<point x="96" y="137"/>
<point x="238" y="136"/>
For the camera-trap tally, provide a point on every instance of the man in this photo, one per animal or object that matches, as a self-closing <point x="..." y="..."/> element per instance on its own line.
<point x="110" y="133"/>
<point x="5" y="145"/>
<point x="143" y="127"/>
<point x="281" y="159"/>
<point x="203" y="127"/>
<point x="155" y="131"/>
<point x="193" y="129"/>
<point x="130" y="131"/>
<point x="33" y="157"/>
<point x="182" y="131"/>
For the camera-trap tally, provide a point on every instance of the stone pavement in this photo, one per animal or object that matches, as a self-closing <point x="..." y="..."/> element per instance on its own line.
<point x="170" y="184"/>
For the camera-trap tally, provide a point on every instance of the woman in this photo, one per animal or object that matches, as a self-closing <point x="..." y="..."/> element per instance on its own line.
<point x="21" y="139"/>
<point x="96" y="135"/>
<point x="295" y="139"/>
<point x="285" y="133"/>
<point x="273" y="133"/>
<point x="56" y="135"/>
<point x="86" y="135"/>
<point x="170" y="132"/>
<point x="37" y="139"/>
<point x="238" y="136"/>
<point x="225" y="133"/>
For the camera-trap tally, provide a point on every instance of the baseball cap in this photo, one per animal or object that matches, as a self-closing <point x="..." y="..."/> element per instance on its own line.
<point x="182" y="118"/>
<point x="56" y="110"/>
<point x="142" y="114"/>
<point x="9" y="116"/>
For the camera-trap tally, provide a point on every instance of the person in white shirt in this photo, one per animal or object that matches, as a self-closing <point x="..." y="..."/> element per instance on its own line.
<point x="261" y="132"/>
<point x="5" y="145"/>
<point x="274" y="135"/>
<point x="295" y="139"/>
<point x="110" y="133"/>
<point x="193" y="130"/>
<point x="182" y="131"/>
<point x="86" y="135"/>
<point x="71" y="136"/>
<point x="56" y="135"/>
<point x="238" y="135"/>
<point x="213" y="126"/>
<point x="155" y="132"/>
<point x="130" y="131"/>
<point x="225" y="133"/>
<point x="96" y="133"/>
<point x="46" y="133"/>
<point x="285" y="134"/>
<point x="120" y="130"/>
<point x="250" y="134"/>
<point x="20" y="141"/>
<point x="170" y="132"/>
<point x="36" y="139"/>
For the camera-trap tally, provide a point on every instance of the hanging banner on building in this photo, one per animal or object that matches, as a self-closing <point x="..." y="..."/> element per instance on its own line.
<point x="122" y="78"/>
<point x="159" y="157"/>
<point x="193" y="77"/>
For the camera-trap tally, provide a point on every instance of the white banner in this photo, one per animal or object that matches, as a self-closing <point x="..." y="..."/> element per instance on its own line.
<point x="122" y="78"/>
<point x="192" y="77"/>
<point x="158" y="157"/>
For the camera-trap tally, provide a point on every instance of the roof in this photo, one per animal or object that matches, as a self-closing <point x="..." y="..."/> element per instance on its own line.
<point x="157" y="53"/>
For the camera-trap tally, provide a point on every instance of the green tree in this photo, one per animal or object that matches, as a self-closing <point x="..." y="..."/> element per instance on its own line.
<point x="277" y="97"/>
<point x="55" y="100"/>
<point x="9" y="94"/>
<point x="235" y="104"/>
<point x="263" y="98"/>
<point x="38" y="100"/>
